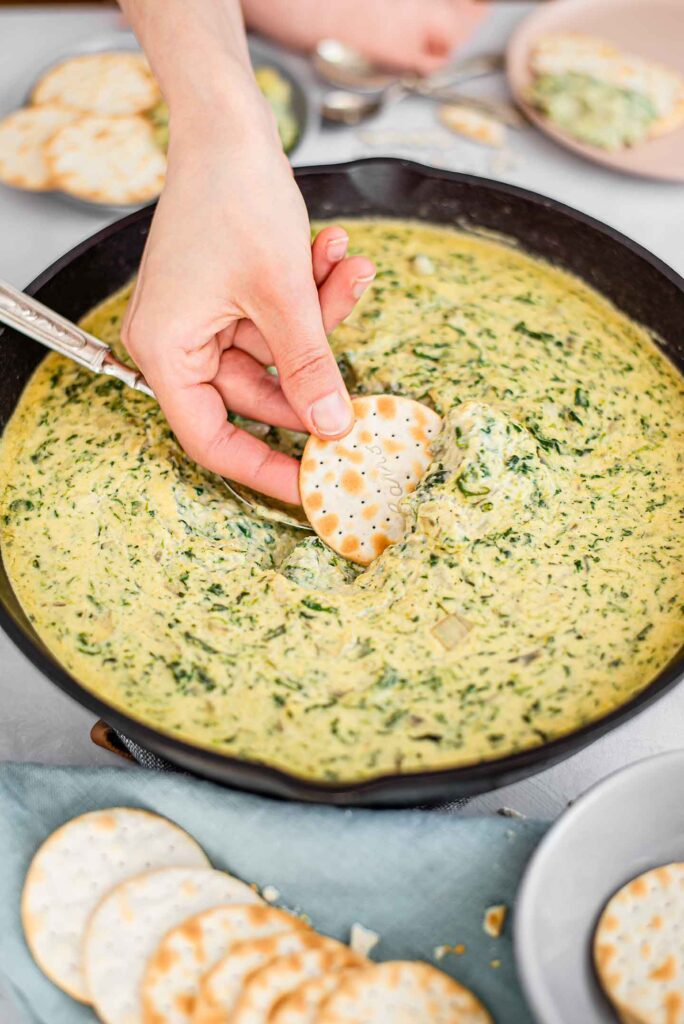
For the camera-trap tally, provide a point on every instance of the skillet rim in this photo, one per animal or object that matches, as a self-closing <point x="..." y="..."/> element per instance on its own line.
<point x="389" y="789"/>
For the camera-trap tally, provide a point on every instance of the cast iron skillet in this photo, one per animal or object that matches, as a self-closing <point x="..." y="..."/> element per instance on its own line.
<point x="634" y="280"/>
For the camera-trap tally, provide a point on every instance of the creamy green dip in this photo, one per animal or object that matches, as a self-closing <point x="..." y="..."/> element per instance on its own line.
<point x="598" y="113"/>
<point x="538" y="585"/>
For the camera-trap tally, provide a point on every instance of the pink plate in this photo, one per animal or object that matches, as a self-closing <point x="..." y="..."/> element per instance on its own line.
<point x="650" y="28"/>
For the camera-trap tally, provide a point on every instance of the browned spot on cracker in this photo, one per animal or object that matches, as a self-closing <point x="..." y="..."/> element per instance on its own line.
<point x="638" y="887"/>
<point x="165" y="959"/>
<point x="656" y="922"/>
<point x="350" y="454"/>
<point x="309" y="465"/>
<point x="387" y="407"/>
<point x="392" y="447"/>
<point x="349" y="545"/>
<point x="106" y="822"/>
<point x="327" y="524"/>
<point x="604" y="954"/>
<point x="380" y="541"/>
<point x="611" y="923"/>
<point x="185" y="1003"/>
<point x="329" y="477"/>
<point x="663" y="876"/>
<point x="673" y="1003"/>
<point x="314" y="502"/>
<point x="360" y="406"/>
<point x="667" y="970"/>
<point x="646" y="950"/>
<point x="370" y="511"/>
<point x="365" y="436"/>
<point x="352" y="482"/>
<point x="418" y="434"/>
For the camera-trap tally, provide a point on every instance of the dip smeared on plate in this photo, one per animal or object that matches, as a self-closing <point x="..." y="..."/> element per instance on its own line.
<point x="536" y="587"/>
<point x="599" y="95"/>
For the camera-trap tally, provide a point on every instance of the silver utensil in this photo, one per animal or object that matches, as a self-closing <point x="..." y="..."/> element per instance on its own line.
<point x="350" y="108"/>
<point x="30" y="317"/>
<point x="345" y="68"/>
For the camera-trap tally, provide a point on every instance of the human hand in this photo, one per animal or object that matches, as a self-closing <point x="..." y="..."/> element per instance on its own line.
<point x="230" y="284"/>
<point x="410" y="35"/>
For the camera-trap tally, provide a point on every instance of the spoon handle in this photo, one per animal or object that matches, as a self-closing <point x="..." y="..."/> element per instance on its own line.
<point x="30" y="317"/>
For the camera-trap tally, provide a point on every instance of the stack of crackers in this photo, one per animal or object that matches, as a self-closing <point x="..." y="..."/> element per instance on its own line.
<point x="87" y="131"/>
<point x="122" y="909"/>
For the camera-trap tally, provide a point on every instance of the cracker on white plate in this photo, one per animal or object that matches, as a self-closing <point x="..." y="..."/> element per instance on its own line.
<point x="264" y="987"/>
<point x="23" y="135"/>
<point x="76" y="866"/>
<point x="401" y="992"/>
<point x="117" y="82"/>
<point x="190" y="950"/>
<point x="303" y="1004"/>
<point x="107" y="160"/>
<point x="351" y="489"/>
<point x="126" y="927"/>
<point x="639" y="947"/>
<point x="473" y="124"/>
<point x="222" y="987"/>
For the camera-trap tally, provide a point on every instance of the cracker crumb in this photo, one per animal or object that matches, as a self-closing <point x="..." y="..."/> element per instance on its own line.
<point x="440" y="952"/>
<point x="270" y="893"/>
<point x="362" y="940"/>
<point x="422" y="264"/>
<point x="510" y="812"/>
<point x="494" y="918"/>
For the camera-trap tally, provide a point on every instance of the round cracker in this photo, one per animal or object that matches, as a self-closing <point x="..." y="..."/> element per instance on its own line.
<point x="107" y="160"/>
<point x="264" y="987"/>
<point x="401" y="992"/>
<point x="187" y="952"/>
<point x="76" y="866"/>
<point x="221" y="988"/>
<point x="639" y="947"/>
<point x="129" y="923"/>
<point x="100" y="83"/>
<point x="303" y="1004"/>
<point x="351" y="489"/>
<point x="23" y="135"/>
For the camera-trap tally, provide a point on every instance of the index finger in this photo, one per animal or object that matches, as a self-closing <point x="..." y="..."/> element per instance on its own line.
<point x="197" y="416"/>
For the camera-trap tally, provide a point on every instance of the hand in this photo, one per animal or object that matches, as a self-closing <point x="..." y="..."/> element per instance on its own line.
<point x="410" y="35"/>
<point x="230" y="284"/>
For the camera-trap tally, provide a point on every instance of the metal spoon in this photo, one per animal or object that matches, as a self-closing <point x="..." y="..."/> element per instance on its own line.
<point x="344" y="67"/>
<point x="30" y="317"/>
<point x="350" y="108"/>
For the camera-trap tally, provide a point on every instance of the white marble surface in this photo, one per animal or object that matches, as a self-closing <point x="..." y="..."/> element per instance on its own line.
<point x="39" y="723"/>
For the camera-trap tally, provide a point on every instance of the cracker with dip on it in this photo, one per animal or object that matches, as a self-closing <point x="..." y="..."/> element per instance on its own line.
<point x="351" y="489"/>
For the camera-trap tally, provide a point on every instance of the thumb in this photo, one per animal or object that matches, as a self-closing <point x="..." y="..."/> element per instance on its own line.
<point x="292" y="324"/>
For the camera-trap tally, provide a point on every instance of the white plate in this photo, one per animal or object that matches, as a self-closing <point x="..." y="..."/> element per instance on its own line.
<point x="628" y="823"/>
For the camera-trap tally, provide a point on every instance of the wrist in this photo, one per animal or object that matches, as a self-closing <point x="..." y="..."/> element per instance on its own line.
<point x="228" y="102"/>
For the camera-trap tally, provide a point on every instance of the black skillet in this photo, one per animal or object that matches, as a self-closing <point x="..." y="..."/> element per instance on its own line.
<point x="638" y="283"/>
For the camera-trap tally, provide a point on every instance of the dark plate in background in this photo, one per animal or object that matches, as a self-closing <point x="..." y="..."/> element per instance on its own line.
<point x="637" y="282"/>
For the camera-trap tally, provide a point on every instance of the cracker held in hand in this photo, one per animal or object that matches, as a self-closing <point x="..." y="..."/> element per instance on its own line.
<point x="222" y="987"/>
<point x="266" y="986"/>
<point x="351" y="489"/>
<point x="187" y="952"/>
<point x="639" y="947"/>
<point x="23" y="135"/>
<point x="76" y="866"/>
<point x="401" y="992"/>
<point x="107" y="160"/>
<point x="100" y="83"/>
<point x="130" y="922"/>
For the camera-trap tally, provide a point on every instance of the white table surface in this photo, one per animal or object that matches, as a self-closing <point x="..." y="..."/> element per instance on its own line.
<point x="37" y="721"/>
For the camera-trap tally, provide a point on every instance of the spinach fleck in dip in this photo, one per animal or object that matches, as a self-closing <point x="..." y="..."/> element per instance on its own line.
<point x="538" y="585"/>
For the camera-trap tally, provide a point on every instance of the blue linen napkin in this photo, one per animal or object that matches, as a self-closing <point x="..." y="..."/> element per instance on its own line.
<point x="420" y="879"/>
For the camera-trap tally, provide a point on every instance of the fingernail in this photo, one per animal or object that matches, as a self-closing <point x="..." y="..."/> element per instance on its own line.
<point x="360" y="285"/>
<point x="331" y="415"/>
<point x="337" y="247"/>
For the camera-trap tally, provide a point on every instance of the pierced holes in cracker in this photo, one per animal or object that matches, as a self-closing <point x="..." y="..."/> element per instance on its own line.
<point x="351" y="488"/>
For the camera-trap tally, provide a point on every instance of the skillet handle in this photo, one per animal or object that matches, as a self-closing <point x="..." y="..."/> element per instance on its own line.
<point x="30" y="317"/>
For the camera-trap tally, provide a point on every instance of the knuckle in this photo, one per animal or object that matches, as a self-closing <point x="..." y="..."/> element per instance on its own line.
<point x="306" y="367"/>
